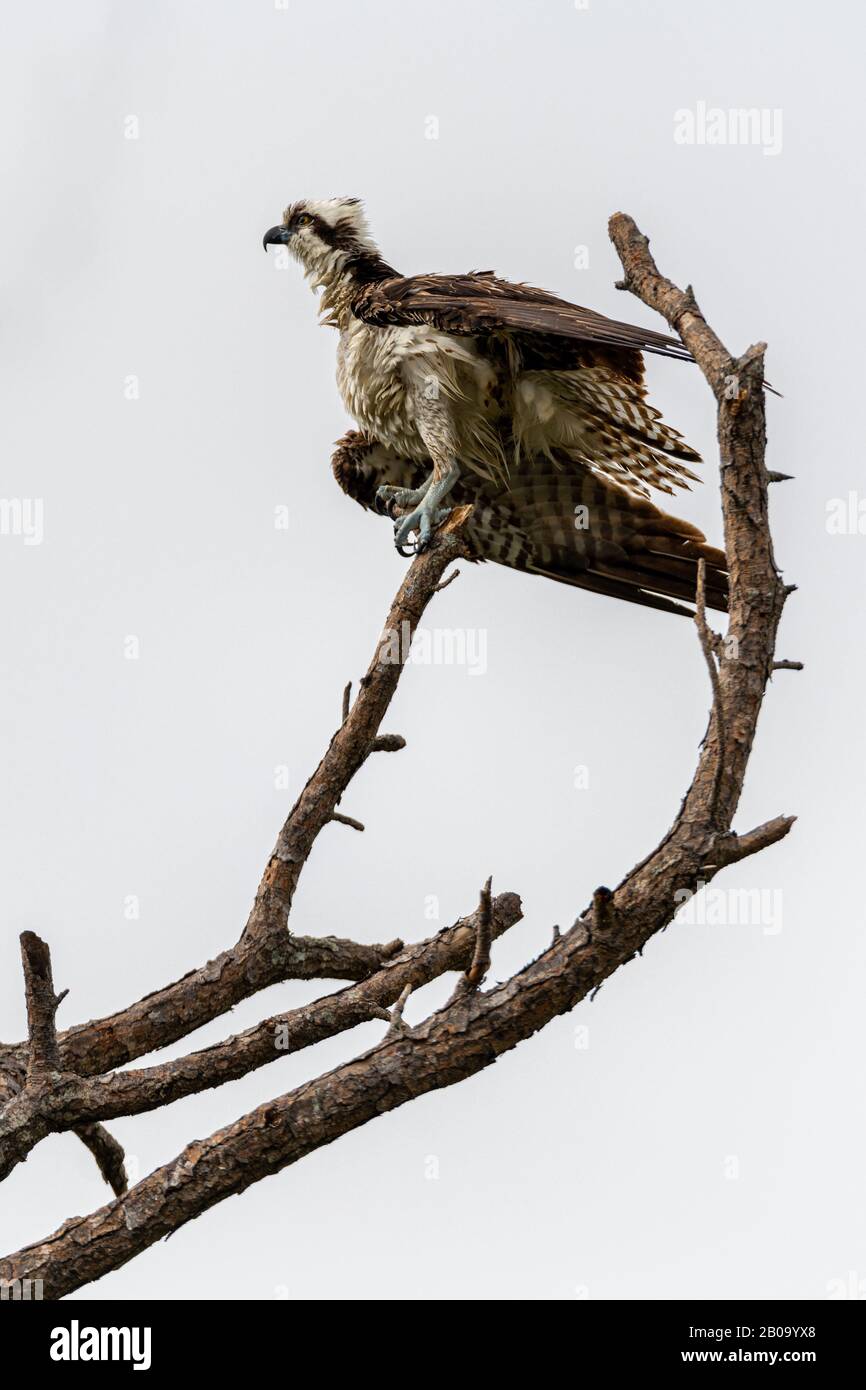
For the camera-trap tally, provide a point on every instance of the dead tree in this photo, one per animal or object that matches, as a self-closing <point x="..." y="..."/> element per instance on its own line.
<point x="72" y="1080"/>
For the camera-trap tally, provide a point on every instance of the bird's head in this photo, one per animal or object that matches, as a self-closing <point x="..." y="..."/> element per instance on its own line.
<point x="323" y="233"/>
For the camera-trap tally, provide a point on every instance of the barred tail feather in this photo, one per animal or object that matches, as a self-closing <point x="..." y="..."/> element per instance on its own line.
<point x="561" y="520"/>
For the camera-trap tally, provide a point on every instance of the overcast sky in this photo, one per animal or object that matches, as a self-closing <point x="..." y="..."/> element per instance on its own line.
<point x="698" y="1129"/>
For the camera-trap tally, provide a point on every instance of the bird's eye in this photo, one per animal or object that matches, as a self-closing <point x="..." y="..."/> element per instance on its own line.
<point x="304" y="219"/>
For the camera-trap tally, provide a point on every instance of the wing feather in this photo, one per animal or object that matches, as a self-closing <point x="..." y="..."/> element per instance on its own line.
<point x="481" y="303"/>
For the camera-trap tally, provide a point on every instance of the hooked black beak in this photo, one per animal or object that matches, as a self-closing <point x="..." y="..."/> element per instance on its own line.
<point x="276" y="236"/>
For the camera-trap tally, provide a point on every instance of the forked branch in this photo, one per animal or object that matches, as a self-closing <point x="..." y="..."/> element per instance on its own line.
<point x="476" y="1026"/>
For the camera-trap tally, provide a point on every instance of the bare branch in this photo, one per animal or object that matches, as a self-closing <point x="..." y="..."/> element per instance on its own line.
<point x="388" y="743"/>
<point x="108" y="1153"/>
<point x="354" y="740"/>
<point x="266" y="953"/>
<point x="455" y="574"/>
<point x="396" y="1015"/>
<point x="757" y="594"/>
<point x="42" y="1005"/>
<point x="79" y="1100"/>
<point x="42" y="1076"/>
<point x="731" y="848"/>
<point x="602" y="909"/>
<point x="709" y="645"/>
<point x="481" y="956"/>
<point x="171" y="1013"/>
<point x="345" y="820"/>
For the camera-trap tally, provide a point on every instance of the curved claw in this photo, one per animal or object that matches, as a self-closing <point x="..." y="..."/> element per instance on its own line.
<point x="424" y="520"/>
<point x="428" y="514"/>
<point x="419" y="521"/>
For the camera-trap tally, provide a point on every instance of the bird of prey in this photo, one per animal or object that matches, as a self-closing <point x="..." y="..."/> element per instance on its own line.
<point x="468" y="388"/>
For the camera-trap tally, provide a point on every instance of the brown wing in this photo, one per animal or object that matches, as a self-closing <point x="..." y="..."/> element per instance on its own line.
<point x="569" y="525"/>
<point x="480" y="303"/>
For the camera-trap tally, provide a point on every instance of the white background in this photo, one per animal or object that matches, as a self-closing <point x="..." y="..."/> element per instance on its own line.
<point x="566" y="1170"/>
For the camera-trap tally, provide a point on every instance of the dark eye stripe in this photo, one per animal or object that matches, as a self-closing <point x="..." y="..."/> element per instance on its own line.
<point x="340" y="237"/>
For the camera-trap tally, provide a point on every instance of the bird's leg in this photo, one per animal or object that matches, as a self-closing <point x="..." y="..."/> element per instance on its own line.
<point x="429" y="512"/>
<point x="432" y="410"/>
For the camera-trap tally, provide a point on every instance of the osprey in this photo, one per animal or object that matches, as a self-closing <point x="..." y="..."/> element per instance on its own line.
<point x="468" y="388"/>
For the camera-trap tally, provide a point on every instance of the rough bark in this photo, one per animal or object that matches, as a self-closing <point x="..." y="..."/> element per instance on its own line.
<point x="71" y="1101"/>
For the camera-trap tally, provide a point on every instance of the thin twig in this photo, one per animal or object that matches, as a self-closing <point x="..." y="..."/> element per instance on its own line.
<point x="474" y="976"/>
<point x="109" y="1155"/>
<point x="396" y="1015"/>
<point x="42" y="1004"/>
<point x="709" y="641"/>
<point x="388" y="743"/>
<point x="455" y="574"/>
<point x="602" y="909"/>
<point x="345" y="820"/>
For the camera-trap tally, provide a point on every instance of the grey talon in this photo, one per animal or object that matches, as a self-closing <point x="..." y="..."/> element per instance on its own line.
<point x="428" y="513"/>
